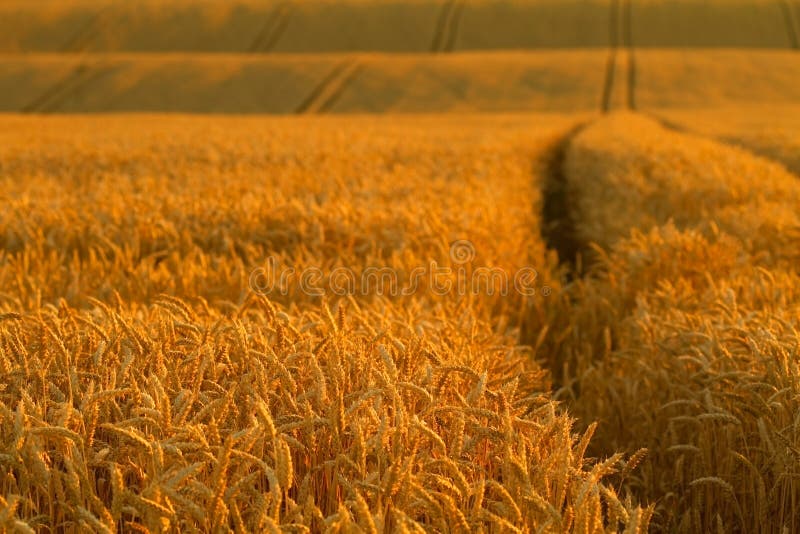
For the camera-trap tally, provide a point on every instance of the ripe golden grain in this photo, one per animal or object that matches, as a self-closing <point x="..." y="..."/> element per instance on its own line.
<point x="697" y="290"/>
<point x="203" y="406"/>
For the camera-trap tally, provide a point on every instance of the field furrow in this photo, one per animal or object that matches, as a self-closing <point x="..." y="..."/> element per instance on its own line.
<point x="558" y="227"/>
<point x="52" y="94"/>
<point x="455" y="22"/>
<point x="440" y="35"/>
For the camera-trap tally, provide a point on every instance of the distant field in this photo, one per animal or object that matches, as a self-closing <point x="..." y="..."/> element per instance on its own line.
<point x="309" y="26"/>
<point x="553" y="81"/>
<point x="712" y="23"/>
<point x="313" y="26"/>
<point x="556" y="80"/>
<point x="216" y="83"/>
<point x="533" y="24"/>
<point x="704" y="78"/>
<point x="405" y="56"/>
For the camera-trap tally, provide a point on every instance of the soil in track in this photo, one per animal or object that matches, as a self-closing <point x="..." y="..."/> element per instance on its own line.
<point x="558" y="226"/>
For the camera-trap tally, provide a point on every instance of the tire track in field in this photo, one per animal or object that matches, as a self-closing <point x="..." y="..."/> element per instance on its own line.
<point x="558" y="225"/>
<point x="627" y="38"/>
<point x="790" y="17"/>
<point x="52" y="98"/>
<point x="80" y="76"/>
<point x="88" y="32"/>
<point x="611" y="62"/>
<point x="325" y="95"/>
<point x="273" y="29"/>
<point x="455" y="23"/>
<point x="447" y="26"/>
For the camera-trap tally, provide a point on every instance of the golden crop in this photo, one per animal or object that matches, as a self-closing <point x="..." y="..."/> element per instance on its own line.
<point x="688" y="341"/>
<point x="744" y="126"/>
<point x="217" y="408"/>
<point x="580" y="320"/>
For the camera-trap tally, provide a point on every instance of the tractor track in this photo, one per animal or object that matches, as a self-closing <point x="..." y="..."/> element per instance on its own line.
<point x="791" y="19"/>
<point x="455" y="22"/>
<point x="275" y="26"/>
<point x="327" y="93"/>
<point x="51" y="99"/>
<point x="620" y="35"/>
<point x="447" y="27"/>
<point x="627" y="38"/>
<point x="558" y="227"/>
<point x="611" y="62"/>
<point x="83" y="38"/>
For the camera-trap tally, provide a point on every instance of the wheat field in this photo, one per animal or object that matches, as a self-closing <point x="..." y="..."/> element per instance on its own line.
<point x="702" y="310"/>
<point x="741" y="126"/>
<point x="168" y="394"/>
<point x="400" y="266"/>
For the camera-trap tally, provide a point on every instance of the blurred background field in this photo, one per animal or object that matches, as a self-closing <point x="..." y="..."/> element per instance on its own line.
<point x="409" y="56"/>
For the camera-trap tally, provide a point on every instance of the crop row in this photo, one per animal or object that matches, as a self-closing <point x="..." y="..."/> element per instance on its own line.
<point x="684" y="337"/>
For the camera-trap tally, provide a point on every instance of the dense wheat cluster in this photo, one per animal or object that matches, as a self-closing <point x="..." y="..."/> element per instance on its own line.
<point x="776" y="139"/>
<point x="217" y="407"/>
<point x="696" y="297"/>
<point x="149" y="385"/>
